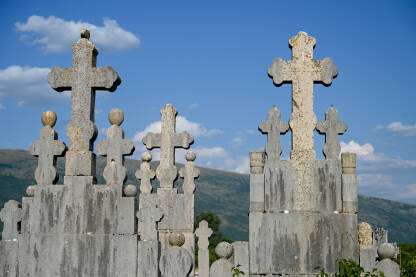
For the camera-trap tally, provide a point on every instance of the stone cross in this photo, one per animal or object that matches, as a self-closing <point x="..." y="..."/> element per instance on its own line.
<point x="203" y="233"/>
<point x="11" y="215"/>
<point x="273" y="126"/>
<point x="115" y="147"/>
<point x="83" y="79"/>
<point x="302" y="71"/>
<point x="189" y="173"/>
<point x="148" y="219"/>
<point x="331" y="127"/>
<point x="145" y="174"/>
<point x="47" y="148"/>
<point x="167" y="140"/>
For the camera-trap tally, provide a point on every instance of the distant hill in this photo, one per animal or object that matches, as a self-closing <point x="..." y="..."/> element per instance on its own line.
<point x="224" y="193"/>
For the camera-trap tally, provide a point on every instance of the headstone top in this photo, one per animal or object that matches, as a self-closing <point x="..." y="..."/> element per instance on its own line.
<point x="224" y="250"/>
<point x="116" y="117"/>
<point x="176" y="239"/>
<point x="365" y="234"/>
<point x="203" y="232"/>
<point x="49" y="118"/>
<point x="190" y="156"/>
<point x="386" y="251"/>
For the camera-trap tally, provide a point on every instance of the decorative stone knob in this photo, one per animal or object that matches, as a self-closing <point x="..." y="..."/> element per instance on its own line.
<point x="85" y="34"/>
<point x="146" y="157"/>
<point x="116" y="117"/>
<point x="30" y="191"/>
<point x="49" y="118"/>
<point x="386" y="251"/>
<point x="190" y="156"/>
<point x="257" y="161"/>
<point x="224" y="250"/>
<point x="130" y="191"/>
<point x="176" y="239"/>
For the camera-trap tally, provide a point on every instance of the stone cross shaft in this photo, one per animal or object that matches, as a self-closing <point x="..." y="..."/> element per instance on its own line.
<point x="148" y="219"/>
<point x="83" y="79"/>
<point x="203" y="233"/>
<point x="167" y="140"/>
<point x="273" y="127"/>
<point x="331" y="127"/>
<point x="302" y="71"/>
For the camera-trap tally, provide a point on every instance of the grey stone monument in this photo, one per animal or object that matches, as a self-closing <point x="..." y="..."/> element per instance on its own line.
<point x="203" y="233"/>
<point x="176" y="261"/>
<point x="222" y="267"/>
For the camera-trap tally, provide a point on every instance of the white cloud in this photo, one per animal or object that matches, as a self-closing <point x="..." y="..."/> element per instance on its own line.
<point x="237" y="142"/>
<point x="243" y="165"/>
<point x="28" y="86"/>
<point x="365" y="151"/>
<point x="54" y="34"/>
<point x="193" y="106"/>
<point x="398" y="127"/>
<point x="377" y="180"/>
<point x="406" y="192"/>
<point x="2" y="107"/>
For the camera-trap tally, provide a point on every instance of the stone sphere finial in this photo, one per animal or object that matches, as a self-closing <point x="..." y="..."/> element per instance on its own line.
<point x="386" y="251"/>
<point x="176" y="239"/>
<point x="130" y="190"/>
<point x="30" y="191"/>
<point x="224" y="250"/>
<point x="365" y="234"/>
<point x="116" y="117"/>
<point x="146" y="156"/>
<point x="190" y="156"/>
<point x="49" y="118"/>
<point x="85" y="34"/>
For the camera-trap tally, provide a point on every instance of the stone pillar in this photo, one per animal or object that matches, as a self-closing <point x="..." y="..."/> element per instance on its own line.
<point x="349" y="183"/>
<point x="222" y="267"/>
<point x="257" y="162"/>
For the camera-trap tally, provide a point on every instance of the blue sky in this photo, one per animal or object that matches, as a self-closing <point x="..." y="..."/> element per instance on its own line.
<point x="210" y="59"/>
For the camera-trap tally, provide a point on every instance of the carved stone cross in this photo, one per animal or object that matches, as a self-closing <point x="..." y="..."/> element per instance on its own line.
<point x="331" y="127"/>
<point x="189" y="173"/>
<point x="273" y="127"/>
<point x="115" y="147"/>
<point x="148" y="219"/>
<point x="167" y="141"/>
<point x="302" y="71"/>
<point x="11" y="215"/>
<point x="83" y="79"/>
<point x="203" y="233"/>
<point x="145" y="174"/>
<point x="47" y="148"/>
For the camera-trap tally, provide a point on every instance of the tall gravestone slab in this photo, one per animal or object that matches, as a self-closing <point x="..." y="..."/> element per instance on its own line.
<point x="297" y="220"/>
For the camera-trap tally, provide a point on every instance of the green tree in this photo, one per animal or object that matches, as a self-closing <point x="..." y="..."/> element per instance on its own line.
<point x="407" y="259"/>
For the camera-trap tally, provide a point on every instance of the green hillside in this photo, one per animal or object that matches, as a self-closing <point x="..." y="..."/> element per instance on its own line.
<point x="224" y="193"/>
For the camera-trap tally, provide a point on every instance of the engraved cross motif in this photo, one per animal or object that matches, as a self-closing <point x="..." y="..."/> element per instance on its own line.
<point x="302" y="71"/>
<point x="167" y="140"/>
<point x="203" y="233"/>
<point x="11" y="215"/>
<point x="83" y="79"/>
<point x="331" y="127"/>
<point x="273" y="127"/>
<point x="148" y="219"/>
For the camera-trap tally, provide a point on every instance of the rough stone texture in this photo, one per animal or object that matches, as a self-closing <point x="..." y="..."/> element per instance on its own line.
<point x="148" y="259"/>
<point x="11" y="215"/>
<point x="349" y="162"/>
<point x="365" y="234"/>
<point x="349" y="183"/>
<point x="203" y="232"/>
<point x="175" y="261"/>
<point x="257" y="162"/>
<point x="83" y="79"/>
<point x="167" y="141"/>
<point x="176" y="239"/>
<point x="380" y="236"/>
<point x="130" y="191"/>
<point x="241" y="256"/>
<point x="148" y="220"/>
<point x="273" y="127"/>
<point x="189" y="173"/>
<point x="368" y="257"/>
<point x="115" y="147"/>
<point x="256" y="192"/>
<point x="222" y="267"/>
<point x="9" y="262"/>
<point x="331" y="127"/>
<point x="47" y="148"/>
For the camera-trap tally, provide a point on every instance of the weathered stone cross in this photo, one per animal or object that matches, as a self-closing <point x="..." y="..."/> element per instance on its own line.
<point x="203" y="232"/>
<point x="47" y="148"/>
<point x="11" y="215"/>
<point x="331" y="127"/>
<point x="145" y="174"/>
<point x="189" y="173"/>
<point x="167" y="141"/>
<point x="83" y="79"/>
<point x="273" y="127"/>
<point x="148" y="219"/>
<point x="302" y="71"/>
<point x="115" y="147"/>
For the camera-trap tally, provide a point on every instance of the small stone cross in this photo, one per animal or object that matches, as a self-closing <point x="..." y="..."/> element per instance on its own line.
<point x="145" y="174"/>
<point x="148" y="219"/>
<point x="189" y="173"/>
<point x="331" y="127"/>
<point x="47" y="148"/>
<point x="167" y="140"/>
<point x="11" y="215"/>
<point x="115" y="147"/>
<point x="203" y="233"/>
<point x="83" y="79"/>
<point x="302" y="71"/>
<point x="273" y="127"/>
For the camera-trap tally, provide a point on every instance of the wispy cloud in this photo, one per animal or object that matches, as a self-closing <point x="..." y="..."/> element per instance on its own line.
<point x="54" y="34"/>
<point x="193" y="106"/>
<point x="399" y="128"/>
<point x="237" y="142"/>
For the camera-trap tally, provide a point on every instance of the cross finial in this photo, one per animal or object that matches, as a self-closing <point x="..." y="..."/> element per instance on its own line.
<point x="167" y="140"/>
<point x="145" y="174"/>
<point x="331" y="127"/>
<point x="148" y="219"/>
<point x="273" y="127"/>
<point x="203" y="233"/>
<point x="83" y="79"/>
<point x="47" y="148"/>
<point x="189" y="173"/>
<point x="115" y="147"/>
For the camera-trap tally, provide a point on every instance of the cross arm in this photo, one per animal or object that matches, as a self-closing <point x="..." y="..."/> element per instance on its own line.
<point x="34" y="148"/>
<point x="322" y="127"/>
<point x="183" y="140"/>
<point x="60" y="79"/>
<point x="59" y="147"/>
<point x="127" y="147"/>
<point x="102" y="147"/>
<point x="152" y="140"/>
<point x="105" y="78"/>
<point x="341" y="127"/>
<point x="324" y="71"/>
<point x="264" y="126"/>
<point x="281" y="71"/>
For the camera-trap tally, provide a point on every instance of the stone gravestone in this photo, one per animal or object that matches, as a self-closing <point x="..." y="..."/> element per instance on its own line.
<point x="203" y="233"/>
<point x="222" y="267"/>
<point x="176" y="261"/>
